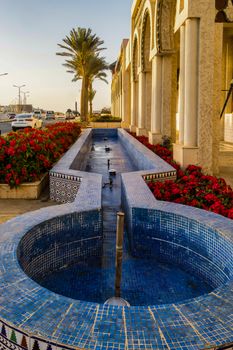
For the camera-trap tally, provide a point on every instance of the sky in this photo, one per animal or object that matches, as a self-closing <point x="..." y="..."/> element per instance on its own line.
<point x="29" y="33"/>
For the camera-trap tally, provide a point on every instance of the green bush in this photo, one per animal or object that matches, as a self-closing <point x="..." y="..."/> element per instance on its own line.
<point x="105" y="118"/>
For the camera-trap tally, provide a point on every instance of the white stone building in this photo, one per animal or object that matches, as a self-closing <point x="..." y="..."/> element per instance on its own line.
<point x="171" y="75"/>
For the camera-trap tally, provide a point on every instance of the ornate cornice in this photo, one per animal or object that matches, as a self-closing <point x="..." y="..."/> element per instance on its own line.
<point x="134" y="67"/>
<point x="138" y="12"/>
<point x="165" y="15"/>
<point x="145" y="19"/>
<point x="224" y="11"/>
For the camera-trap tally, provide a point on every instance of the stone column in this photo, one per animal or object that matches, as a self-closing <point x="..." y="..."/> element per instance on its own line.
<point x="178" y="147"/>
<point x="191" y="82"/>
<point x="126" y="100"/>
<point x="141" y="104"/>
<point x="186" y="151"/>
<point x="156" y="102"/>
<point x="182" y="85"/>
<point x="134" y="106"/>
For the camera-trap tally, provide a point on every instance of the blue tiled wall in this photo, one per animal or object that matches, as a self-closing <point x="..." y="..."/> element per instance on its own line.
<point x="198" y="241"/>
<point x="176" y="239"/>
<point x="59" y="242"/>
<point x="142" y="157"/>
<point x="80" y="160"/>
<point x="101" y="133"/>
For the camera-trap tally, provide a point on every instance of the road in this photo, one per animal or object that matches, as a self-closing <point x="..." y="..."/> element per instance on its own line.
<point x="5" y="127"/>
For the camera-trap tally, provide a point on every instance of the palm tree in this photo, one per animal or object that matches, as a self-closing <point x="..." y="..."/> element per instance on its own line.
<point x="80" y="46"/>
<point x="95" y="69"/>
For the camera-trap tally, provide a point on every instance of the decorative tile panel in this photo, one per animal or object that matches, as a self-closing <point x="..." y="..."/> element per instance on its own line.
<point x="64" y="188"/>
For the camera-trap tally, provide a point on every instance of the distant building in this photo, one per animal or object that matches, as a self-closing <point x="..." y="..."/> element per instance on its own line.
<point x="16" y="108"/>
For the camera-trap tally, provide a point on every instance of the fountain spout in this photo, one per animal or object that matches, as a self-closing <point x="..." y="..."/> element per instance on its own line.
<point x="119" y="252"/>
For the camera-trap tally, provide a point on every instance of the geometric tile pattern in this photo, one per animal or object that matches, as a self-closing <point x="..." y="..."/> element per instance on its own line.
<point x="15" y="339"/>
<point x="63" y="188"/>
<point x="160" y="176"/>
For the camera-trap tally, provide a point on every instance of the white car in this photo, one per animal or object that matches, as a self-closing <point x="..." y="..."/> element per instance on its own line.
<point x="26" y="120"/>
<point x="50" y="115"/>
<point x="37" y="113"/>
<point x="61" y="117"/>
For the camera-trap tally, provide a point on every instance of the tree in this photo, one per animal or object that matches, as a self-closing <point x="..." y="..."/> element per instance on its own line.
<point x="80" y="48"/>
<point x="96" y="67"/>
<point x="96" y="70"/>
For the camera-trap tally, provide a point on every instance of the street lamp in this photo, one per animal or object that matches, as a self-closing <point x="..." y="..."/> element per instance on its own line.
<point x="2" y="75"/>
<point x="19" y="87"/>
<point x="25" y="96"/>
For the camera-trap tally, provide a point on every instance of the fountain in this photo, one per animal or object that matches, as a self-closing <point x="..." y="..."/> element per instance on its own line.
<point x="58" y="264"/>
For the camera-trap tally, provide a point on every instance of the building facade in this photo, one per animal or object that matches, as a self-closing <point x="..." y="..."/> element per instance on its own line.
<point x="172" y="76"/>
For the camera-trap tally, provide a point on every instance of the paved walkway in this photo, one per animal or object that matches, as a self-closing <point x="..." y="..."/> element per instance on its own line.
<point x="10" y="208"/>
<point x="227" y="174"/>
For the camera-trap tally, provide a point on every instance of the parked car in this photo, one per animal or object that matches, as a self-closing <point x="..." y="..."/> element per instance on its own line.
<point x="37" y="113"/>
<point x="50" y="115"/>
<point x="25" y="120"/>
<point x="69" y="115"/>
<point x="61" y="117"/>
<point x="11" y="115"/>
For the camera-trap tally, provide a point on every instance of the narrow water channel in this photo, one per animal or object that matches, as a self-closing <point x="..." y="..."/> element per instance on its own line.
<point x="144" y="281"/>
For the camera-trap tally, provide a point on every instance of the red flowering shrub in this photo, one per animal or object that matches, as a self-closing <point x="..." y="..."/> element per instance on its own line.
<point x="192" y="186"/>
<point x="27" y="154"/>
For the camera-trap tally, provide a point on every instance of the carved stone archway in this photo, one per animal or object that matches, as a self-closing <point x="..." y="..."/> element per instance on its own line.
<point x="164" y="72"/>
<point x="224" y="11"/>
<point x="135" y="91"/>
<point x="146" y="67"/>
<point x="135" y="60"/>
<point x="164" y="26"/>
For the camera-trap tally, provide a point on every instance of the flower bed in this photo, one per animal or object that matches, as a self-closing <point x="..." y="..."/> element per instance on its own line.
<point x="27" y="154"/>
<point x="192" y="186"/>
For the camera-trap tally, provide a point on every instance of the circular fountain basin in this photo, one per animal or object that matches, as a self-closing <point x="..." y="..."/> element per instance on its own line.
<point x="88" y="278"/>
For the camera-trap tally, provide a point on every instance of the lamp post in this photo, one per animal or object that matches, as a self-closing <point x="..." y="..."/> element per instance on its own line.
<point x="19" y="88"/>
<point x="25" y="96"/>
<point x="1" y="76"/>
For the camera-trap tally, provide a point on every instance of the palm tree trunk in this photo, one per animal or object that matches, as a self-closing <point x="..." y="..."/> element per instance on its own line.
<point x="82" y="104"/>
<point x="90" y="108"/>
<point x="85" y="98"/>
<point x="90" y="98"/>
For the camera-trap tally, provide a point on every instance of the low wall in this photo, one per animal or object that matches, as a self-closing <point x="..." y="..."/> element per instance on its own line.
<point x="102" y="133"/>
<point x="25" y="190"/>
<point x="105" y="125"/>
<point x="144" y="159"/>
<point x="183" y="235"/>
<point x="66" y="177"/>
